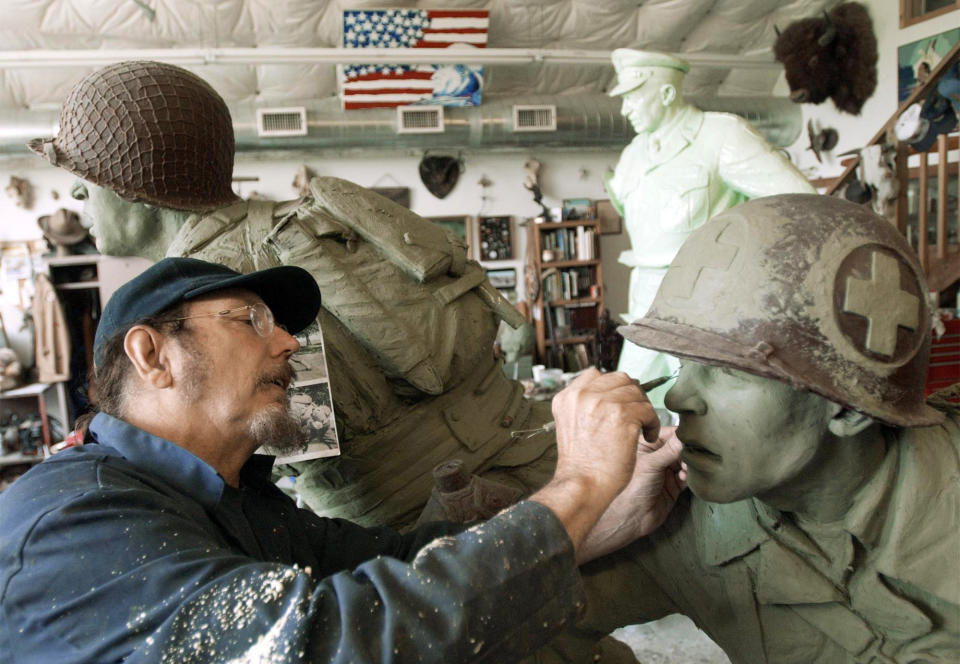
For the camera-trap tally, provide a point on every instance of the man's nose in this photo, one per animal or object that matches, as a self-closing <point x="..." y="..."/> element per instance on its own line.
<point x="284" y="342"/>
<point x="684" y="396"/>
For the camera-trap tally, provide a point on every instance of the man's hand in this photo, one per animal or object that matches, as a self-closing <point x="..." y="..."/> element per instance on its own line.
<point x="599" y="418"/>
<point x="644" y="504"/>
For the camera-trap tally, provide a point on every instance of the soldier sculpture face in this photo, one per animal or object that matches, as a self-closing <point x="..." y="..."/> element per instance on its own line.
<point x="747" y="436"/>
<point x="646" y="107"/>
<point x="120" y="227"/>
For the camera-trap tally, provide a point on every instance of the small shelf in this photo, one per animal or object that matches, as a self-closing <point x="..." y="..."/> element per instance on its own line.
<point x="36" y="390"/>
<point x="79" y="259"/>
<point x="32" y="390"/>
<point x="574" y="302"/>
<point x="595" y="261"/>
<point x="77" y="285"/>
<point x="586" y="338"/>
<point x="14" y="458"/>
<point x="551" y="225"/>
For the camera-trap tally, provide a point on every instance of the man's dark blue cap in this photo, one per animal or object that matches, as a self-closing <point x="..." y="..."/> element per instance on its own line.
<point x="291" y="293"/>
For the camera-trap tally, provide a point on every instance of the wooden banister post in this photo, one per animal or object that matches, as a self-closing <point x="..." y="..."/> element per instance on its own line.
<point x="942" y="197"/>
<point x="922" y="243"/>
<point x="903" y="181"/>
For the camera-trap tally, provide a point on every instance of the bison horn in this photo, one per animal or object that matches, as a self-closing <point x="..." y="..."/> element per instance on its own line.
<point x="829" y="33"/>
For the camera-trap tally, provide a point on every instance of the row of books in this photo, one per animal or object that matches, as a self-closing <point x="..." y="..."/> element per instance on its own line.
<point x="572" y="357"/>
<point x="568" y="244"/>
<point x="567" y="283"/>
<point x="573" y="319"/>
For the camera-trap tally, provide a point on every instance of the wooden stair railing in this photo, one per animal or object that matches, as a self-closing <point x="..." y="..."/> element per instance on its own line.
<point x="941" y="261"/>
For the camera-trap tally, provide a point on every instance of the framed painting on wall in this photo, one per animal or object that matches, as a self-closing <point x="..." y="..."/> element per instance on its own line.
<point x="915" y="11"/>
<point x="399" y="195"/>
<point x="576" y="209"/>
<point x="495" y="238"/>
<point x="611" y="223"/>
<point x="459" y="226"/>
<point x="917" y="59"/>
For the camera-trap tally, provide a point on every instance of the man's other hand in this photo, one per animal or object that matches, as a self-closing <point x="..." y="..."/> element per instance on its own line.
<point x="644" y="504"/>
<point x="599" y="419"/>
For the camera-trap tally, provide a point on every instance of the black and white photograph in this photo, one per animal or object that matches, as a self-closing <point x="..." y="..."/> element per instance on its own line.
<point x="313" y="408"/>
<point x="310" y="399"/>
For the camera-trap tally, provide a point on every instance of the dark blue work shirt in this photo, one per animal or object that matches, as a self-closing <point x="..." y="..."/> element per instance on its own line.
<point x="132" y="549"/>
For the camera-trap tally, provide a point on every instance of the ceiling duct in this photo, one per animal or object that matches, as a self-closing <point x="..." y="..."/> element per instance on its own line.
<point x="281" y="122"/>
<point x="582" y="121"/>
<point x="419" y="119"/>
<point x="528" y="117"/>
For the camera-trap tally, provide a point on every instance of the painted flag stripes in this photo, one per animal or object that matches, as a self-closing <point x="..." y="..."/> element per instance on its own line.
<point x="384" y="86"/>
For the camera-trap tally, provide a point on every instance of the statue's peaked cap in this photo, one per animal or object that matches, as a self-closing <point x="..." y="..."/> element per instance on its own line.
<point x="634" y="67"/>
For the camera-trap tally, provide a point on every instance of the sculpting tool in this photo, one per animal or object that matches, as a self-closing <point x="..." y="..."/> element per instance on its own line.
<point x="550" y="426"/>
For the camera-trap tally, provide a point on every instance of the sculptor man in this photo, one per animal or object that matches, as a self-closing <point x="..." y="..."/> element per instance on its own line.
<point x="683" y="167"/>
<point x="824" y="520"/>
<point x="408" y="321"/>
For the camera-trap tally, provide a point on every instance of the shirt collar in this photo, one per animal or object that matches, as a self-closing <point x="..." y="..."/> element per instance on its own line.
<point x="669" y="140"/>
<point x="734" y="529"/>
<point x="865" y="519"/>
<point x="170" y="462"/>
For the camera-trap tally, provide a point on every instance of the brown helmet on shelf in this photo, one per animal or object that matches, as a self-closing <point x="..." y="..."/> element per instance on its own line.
<point x="150" y="132"/>
<point x="810" y="290"/>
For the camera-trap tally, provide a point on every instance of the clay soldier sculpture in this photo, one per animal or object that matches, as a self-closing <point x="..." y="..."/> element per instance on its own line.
<point x="824" y="524"/>
<point x="683" y="167"/>
<point x="409" y="322"/>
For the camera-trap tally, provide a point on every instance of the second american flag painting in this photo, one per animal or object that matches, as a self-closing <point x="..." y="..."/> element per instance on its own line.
<point x="389" y="85"/>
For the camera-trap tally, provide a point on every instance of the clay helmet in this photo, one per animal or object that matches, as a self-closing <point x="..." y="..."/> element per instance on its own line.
<point x="150" y="132"/>
<point x="810" y="290"/>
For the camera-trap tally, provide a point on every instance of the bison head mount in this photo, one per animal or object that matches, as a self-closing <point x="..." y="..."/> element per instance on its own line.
<point x="833" y="56"/>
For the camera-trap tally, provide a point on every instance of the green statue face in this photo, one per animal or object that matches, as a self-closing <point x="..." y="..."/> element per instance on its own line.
<point x="747" y="436"/>
<point x="120" y="227"/>
<point x="647" y="106"/>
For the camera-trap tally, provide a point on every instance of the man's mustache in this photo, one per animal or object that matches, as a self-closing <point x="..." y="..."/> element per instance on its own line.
<point x="285" y="373"/>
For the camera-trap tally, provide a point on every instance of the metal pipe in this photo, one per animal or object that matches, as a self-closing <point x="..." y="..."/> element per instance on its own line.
<point x="279" y="55"/>
<point x="583" y="121"/>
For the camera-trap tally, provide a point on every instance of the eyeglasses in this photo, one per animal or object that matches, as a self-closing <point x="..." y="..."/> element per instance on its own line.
<point x="261" y="318"/>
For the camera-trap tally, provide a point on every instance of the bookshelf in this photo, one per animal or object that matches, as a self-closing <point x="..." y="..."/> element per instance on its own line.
<point x="570" y="294"/>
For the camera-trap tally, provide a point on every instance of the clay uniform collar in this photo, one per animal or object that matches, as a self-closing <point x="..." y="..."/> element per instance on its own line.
<point x="667" y="141"/>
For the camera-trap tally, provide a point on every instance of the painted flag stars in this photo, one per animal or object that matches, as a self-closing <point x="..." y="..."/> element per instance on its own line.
<point x="389" y="85"/>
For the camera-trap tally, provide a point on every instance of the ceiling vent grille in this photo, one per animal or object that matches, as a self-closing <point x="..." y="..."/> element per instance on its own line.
<point x="420" y="119"/>
<point x="534" y="118"/>
<point x="273" y="122"/>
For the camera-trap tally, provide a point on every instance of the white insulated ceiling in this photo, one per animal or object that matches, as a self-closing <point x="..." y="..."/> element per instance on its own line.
<point x="742" y="27"/>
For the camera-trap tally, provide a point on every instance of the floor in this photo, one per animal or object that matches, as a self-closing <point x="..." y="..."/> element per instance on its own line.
<point x="671" y="640"/>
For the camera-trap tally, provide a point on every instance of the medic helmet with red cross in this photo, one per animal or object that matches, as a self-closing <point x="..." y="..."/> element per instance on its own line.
<point x="814" y="291"/>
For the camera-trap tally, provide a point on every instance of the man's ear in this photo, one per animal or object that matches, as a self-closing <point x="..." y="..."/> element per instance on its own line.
<point x="847" y="422"/>
<point x="145" y="348"/>
<point x="668" y="93"/>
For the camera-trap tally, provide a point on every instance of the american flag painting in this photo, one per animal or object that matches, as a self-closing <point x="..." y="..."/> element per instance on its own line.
<point x="386" y="86"/>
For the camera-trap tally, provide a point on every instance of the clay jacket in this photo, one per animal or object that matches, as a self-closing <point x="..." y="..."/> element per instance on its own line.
<point x="132" y="549"/>
<point x="881" y="586"/>
<point x="671" y="181"/>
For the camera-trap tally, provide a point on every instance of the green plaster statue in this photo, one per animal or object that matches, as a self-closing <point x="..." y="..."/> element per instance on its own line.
<point x="824" y="520"/>
<point x="683" y="167"/>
